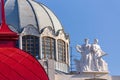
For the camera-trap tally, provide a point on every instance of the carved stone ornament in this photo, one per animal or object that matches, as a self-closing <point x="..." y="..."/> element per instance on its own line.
<point x="30" y="30"/>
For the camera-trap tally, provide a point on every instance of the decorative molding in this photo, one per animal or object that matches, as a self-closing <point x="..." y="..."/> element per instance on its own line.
<point x="30" y="30"/>
<point x="48" y="31"/>
<point x="61" y="35"/>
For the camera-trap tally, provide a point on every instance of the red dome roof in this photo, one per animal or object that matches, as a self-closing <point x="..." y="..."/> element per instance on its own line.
<point x="16" y="64"/>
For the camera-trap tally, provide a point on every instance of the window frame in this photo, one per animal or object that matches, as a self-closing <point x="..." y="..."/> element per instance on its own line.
<point x="30" y="44"/>
<point x="61" y="46"/>
<point x="50" y="47"/>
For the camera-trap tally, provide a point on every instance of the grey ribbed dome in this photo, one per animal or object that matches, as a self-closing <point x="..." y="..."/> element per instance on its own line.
<point x="22" y="13"/>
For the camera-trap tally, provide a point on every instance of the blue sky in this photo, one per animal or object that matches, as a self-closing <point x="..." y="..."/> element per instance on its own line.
<point x="91" y="19"/>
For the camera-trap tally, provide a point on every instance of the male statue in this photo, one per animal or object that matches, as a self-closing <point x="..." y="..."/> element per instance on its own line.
<point x="98" y="63"/>
<point x="85" y="61"/>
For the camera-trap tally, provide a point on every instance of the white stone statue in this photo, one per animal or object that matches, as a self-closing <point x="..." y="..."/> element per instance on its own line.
<point x="98" y="64"/>
<point x="85" y="61"/>
<point x="91" y="57"/>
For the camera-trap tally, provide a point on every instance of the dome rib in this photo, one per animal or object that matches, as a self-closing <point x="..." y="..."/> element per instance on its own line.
<point x="48" y="15"/>
<point x="26" y="14"/>
<point x="56" y="22"/>
<point x="43" y="18"/>
<point x="34" y="14"/>
<point x="12" y="12"/>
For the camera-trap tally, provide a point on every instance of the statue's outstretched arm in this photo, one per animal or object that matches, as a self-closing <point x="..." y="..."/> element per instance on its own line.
<point x="103" y="54"/>
<point x="79" y="48"/>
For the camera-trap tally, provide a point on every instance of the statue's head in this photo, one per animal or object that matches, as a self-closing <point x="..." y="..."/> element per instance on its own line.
<point x="95" y="41"/>
<point x="86" y="40"/>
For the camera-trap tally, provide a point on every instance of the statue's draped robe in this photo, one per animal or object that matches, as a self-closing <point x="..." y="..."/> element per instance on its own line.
<point x="98" y="63"/>
<point x="91" y="58"/>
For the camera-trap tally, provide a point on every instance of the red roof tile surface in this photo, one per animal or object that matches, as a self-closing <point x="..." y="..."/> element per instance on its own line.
<point x="16" y="64"/>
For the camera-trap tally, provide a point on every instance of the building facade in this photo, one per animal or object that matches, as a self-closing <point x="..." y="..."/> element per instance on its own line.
<point x="41" y="33"/>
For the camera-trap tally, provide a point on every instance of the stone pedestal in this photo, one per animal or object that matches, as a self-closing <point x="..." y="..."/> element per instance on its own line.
<point x="94" y="76"/>
<point x="84" y="76"/>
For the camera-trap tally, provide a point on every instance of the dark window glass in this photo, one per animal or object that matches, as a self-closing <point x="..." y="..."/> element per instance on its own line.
<point x="61" y="51"/>
<point x="67" y="53"/>
<point x="48" y="47"/>
<point x="31" y="45"/>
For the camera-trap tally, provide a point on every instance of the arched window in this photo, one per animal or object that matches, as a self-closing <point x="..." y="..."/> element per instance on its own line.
<point x="48" y="48"/>
<point x="67" y="53"/>
<point x="61" y="51"/>
<point x="31" y="44"/>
